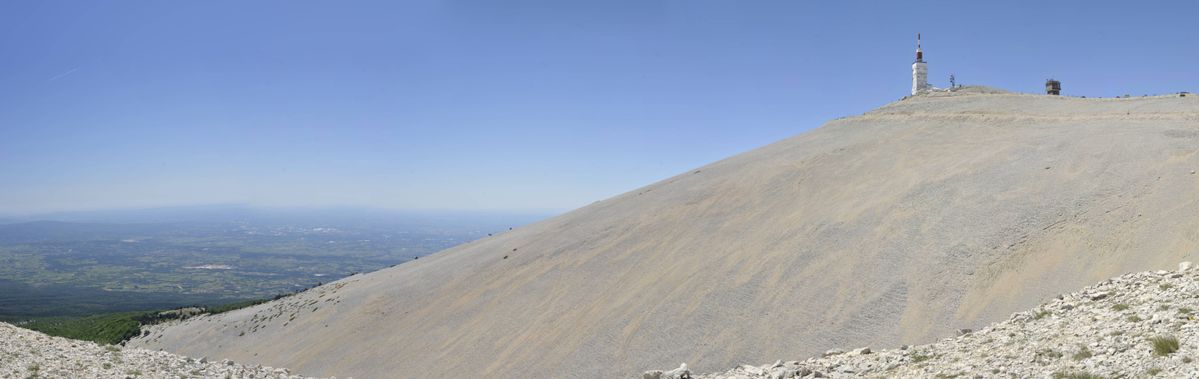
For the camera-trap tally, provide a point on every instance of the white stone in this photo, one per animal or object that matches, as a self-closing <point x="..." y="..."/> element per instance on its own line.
<point x="833" y="352"/>
<point x="752" y="370"/>
<point x="679" y="373"/>
<point x="1030" y="347"/>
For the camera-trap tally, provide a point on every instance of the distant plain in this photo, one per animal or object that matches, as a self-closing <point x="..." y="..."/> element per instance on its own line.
<point x="94" y="263"/>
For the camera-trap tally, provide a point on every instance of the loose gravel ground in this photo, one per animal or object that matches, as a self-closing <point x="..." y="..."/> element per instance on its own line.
<point x="1134" y="326"/>
<point x="29" y="354"/>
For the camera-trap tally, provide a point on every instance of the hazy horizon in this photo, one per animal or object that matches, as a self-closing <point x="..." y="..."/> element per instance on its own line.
<point x="231" y="212"/>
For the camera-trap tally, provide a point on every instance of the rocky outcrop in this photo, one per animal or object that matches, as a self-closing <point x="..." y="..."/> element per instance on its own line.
<point x="679" y="373"/>
<point x="28" y="354"/>
<point x="1136" y="325"/>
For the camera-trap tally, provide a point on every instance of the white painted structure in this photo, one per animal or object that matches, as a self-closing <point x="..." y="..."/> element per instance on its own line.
<point x="919" y="70"/>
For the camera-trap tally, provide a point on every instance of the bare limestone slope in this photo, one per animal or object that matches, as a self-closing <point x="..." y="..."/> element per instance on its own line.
<point x="1134" y="326"/>
<point x="898" y="226"/>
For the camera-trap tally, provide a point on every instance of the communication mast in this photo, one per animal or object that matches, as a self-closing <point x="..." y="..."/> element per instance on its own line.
<point x="919" y="70"/>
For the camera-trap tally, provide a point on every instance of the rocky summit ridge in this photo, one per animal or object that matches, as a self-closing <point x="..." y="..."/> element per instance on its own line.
<point x="1137" y="325"/>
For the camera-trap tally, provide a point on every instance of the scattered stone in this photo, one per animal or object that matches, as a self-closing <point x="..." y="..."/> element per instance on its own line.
<point x="833" y="352"/>
<point x="753" y="370"/>
<point x="27" y="354"/>
<point x="679" y="373"/>
<point x="1085" y="338"/>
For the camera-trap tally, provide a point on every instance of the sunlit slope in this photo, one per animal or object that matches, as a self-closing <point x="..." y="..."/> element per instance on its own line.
<point x="894" y="227"/>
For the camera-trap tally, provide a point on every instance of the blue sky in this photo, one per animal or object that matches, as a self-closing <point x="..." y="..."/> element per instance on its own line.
<point x="497" y="105"/>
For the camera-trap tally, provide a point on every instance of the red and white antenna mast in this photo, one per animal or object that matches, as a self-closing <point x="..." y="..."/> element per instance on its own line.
<point x="919" y="51"/>
<point x="919" y="70"/>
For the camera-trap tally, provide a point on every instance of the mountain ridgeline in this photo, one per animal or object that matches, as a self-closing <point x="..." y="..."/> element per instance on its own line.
<point x="899" y="226"/>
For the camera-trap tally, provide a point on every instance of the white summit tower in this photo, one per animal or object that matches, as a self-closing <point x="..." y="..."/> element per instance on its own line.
<point x="919" y="70"/>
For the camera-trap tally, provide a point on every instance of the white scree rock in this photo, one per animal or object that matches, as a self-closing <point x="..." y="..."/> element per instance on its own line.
<point x="26" y="354"/>
<point x="1136" y="325"/>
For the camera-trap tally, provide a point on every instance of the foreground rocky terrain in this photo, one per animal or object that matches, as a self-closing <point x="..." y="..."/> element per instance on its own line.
<point x="28" y="354"/>
<point x="898" y="226"/>
<point x="1133" y="326"/>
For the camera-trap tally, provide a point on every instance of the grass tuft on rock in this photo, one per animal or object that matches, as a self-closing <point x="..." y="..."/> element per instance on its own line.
<point x="1083" y="353"/>
<point x="921" y="358"/>
<point x="1164" y="345"/>
<point x="1076" y="375"/>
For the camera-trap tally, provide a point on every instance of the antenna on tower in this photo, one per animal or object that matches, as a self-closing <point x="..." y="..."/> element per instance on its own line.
<point x="919" y="70"/>
<point x="919" y="51"/>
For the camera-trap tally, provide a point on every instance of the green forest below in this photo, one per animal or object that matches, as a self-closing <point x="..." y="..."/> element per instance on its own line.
<point x="118" y="327"/>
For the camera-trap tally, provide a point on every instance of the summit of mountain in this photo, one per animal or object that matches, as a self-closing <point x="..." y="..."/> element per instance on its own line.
<point x="942" y="211"/>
